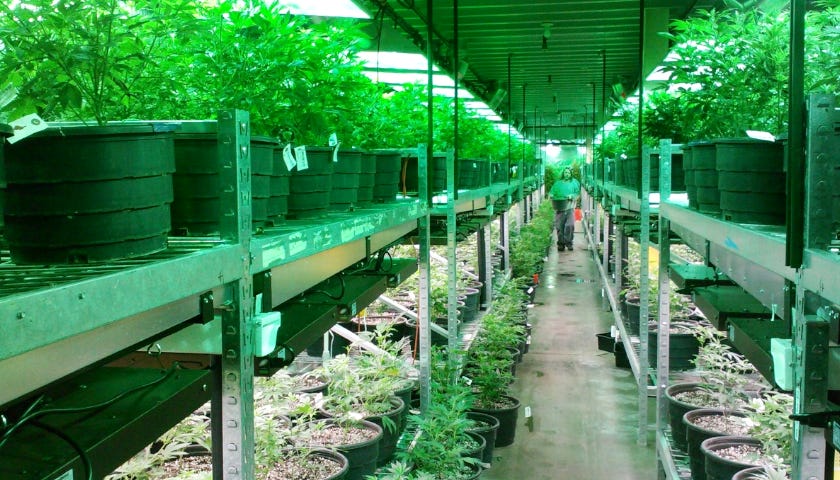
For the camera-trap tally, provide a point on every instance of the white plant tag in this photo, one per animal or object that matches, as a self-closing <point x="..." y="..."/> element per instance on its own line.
<point x="759" y="135"/>
<point x="288" y="158"/>
<point x="335" y="152"/>
<point x="26" y="126"/>
<point x="300" y="156"/>
<point x="467" y="380"/>
<point x="527" y="412"/>
<point x="333" y="140"/>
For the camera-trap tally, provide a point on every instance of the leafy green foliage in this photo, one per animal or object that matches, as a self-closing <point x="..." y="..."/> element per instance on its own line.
<point x="771" y="423"/>
<point x="82" y="60"/>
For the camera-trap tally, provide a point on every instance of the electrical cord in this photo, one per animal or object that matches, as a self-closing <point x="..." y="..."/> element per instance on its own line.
<point x="30" y="416"/>
<point x="88" y="466"/>
<point x="331" y="296"/>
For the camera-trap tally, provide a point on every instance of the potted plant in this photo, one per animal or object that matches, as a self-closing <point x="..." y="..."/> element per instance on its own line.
<point x="277" y="456"/>
<point x="89" y="62"/>
<point x="491" y="377"/>
<point x="358" y="440"/>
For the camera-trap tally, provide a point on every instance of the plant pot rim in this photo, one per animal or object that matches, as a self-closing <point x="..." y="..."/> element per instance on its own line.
<point x="514" y="400"/>
<point x="684" y="387"/>
<point x="489" y="421"/>
<point x="361" y="423"/>
<point x="741" y="141"/>
<point x="82" y="129"/>
<point x="709" y="412"/>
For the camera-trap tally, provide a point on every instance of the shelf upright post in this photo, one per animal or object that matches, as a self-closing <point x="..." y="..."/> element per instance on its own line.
<point x="504" y="238"/>
<point x="663" y="335"/>
<point x="620" y="248"/>
<point x="485" y="267"/>
<point x="452" y="260"/>
<point x="236" y="379"/>
<point x="424" y="275"/>
<point x="605" y="258"/>
<point x="644" y="293"/>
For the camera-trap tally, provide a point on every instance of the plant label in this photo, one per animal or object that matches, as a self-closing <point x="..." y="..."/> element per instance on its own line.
<point x="68" y="475"/>
<point x="467" y="380"/>
<point x="26" y="126"/>
<point x="527" y="412"/>
<point x="333" y="140"/>
<point x="300" y="156"/>
<point x="288" y="158"/>
<point x="335" y="152"/>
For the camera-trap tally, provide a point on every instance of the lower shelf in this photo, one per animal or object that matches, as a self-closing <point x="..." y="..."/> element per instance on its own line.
<point x="109" y="433"/>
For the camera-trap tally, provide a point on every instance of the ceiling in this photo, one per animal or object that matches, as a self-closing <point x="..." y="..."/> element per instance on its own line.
<point x="592" y="46"/>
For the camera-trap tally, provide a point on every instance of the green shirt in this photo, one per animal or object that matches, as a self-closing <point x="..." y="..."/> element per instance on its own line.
<point x="563" y="189"/>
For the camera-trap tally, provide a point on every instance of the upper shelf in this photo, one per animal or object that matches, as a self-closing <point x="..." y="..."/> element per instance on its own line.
<point x="629" y="199"/>
<point x="754" y="255"/>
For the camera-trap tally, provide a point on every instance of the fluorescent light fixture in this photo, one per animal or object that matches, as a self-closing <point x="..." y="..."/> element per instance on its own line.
<point x="658" y="75"/>
<point x="493" y="118"/>
<point x="323" y="8"/>
<point x="399" y="78"/>
<point x="396" y="60"/>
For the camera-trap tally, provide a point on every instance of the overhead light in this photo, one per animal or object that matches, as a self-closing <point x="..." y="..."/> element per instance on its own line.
<point x="497" y="98"/>
<point x="463" y="68"/>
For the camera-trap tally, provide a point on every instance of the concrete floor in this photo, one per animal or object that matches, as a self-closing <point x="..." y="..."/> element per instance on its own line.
<point x="585" y="414"/>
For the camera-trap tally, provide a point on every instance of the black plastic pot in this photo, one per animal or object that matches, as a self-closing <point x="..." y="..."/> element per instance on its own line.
<point x="332" y="456"/>
<point x="690" y="183"/>
<point x="487" y="426"/>
<point x="362" y="456"/>
<point x="507" y="421"/>
<point x="682" y="349"/>
<point x="718" y="468"/>
<point x="390" y="436"/>
<point x="367" y="178"/>
<point x="388" y="174"/>
<point x="633" y="308"/>
<point x="704" y="162"/>
<point x="696" y="435"/>
<point x="676" y="410"/>
<point x="345" y="180"/>
<point x="751" y="180"/>
<point x="5" y="131"/>
<point x="78" y="194"/>
<point x="278" y="201"/>
<point x="477" y="452"/>
<point x="310" y="189"/>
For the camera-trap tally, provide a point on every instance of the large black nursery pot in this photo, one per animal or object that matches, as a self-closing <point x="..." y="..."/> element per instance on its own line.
<point x="389" y="171"/>
<point x="507" y="417"/>
<point x="696" y="435"/>
<point x="751" y="180"/>
<point x="719" y="468"/>
<point x="310" y="189"/>
<point x="278" y="200"/>
<point x="390" y="436"/>
<point x="751" y="473"/>
<point x="345" y="180"/>
<point x="682" y="349"/>
<point x="196" y="209"/>
<point x="678" y="408"/>
<point x="704" y="163"/>
<point x="78" y="194"/>
<point x="488" y="427"/>
<point x="367" y="179"/>
<point x="5" y="131"/>
<point x="688" y="169"/>
<point x="362" y="455"/>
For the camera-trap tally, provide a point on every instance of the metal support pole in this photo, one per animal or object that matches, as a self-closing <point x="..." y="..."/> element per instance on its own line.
<point x="424" y="276"/>
<point x="605" y="304"/>
<point x="504" y="239"/>
<point x="452" y="262"/>
<point x="619" y="256"/>
<point x="663" y="333"/>
<point x="485" y="268"/>
<point x="644" y="287"/>
<point x="237" y="360"/>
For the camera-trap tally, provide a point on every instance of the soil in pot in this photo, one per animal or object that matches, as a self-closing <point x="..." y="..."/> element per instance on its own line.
<point x="318" y="464"/>
<point x="359" y="442"/>
<point x="474" y="446"/>
<point x="113" y="203"/>
<point x="706" y="423"/>
<point x="683" y="397"/>
<point x="726" y="456"/>
<point x="487" y="426"/>
<point x="310" y="189"/>
<point x="390" y="434"/>
<point x="506" y="411"/>
<point x="751" y="180"/>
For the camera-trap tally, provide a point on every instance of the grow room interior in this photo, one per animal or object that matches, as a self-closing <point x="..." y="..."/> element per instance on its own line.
<point x="405" y="239"/>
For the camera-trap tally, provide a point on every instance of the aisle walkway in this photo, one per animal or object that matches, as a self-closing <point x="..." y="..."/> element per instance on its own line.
<point x="584" y="408"/>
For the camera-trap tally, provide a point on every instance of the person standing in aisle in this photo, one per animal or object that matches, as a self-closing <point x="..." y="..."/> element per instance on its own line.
<point x="564" y="194"/>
